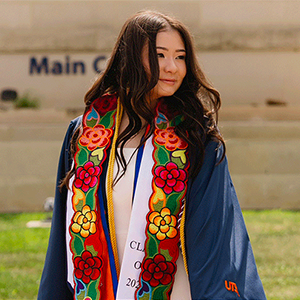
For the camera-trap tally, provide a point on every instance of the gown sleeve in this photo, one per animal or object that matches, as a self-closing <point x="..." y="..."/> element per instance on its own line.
<point x="220" y="260"/>
<point x="53" y="283"/>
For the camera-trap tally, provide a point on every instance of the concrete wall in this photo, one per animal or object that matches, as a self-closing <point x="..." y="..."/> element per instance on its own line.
<point x="265" y="163"/>
<point x="93" y="25"/>
<point x="249" y="49"/>
<point x="262" y="149"/>
<point x="29" y="149"/>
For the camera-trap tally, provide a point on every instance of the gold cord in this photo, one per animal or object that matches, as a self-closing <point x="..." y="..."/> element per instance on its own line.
<point x="109" y="188"/>
<point x="182" y="240"/>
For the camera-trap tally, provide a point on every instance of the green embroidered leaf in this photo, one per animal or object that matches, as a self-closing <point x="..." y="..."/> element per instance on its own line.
<point x="162" y="125"/>
<point x="177" y="161"/>
<point x="172" y="203"/>
<point x="161" y="155"/>
<point x="77" y="242"/>
<point x="166" y="254"/>
<point x="82" y="156"/>
<point x="160" y="292"/>
<point x="93" y="289"/>
<point x="81" y="296"/>
<point x="145" y="297"/>
<point x="181" y="154"/>
<point x="99" y="154"/>
<point x="158" y="206"/>
<point x="89" y="198"/>
<point x="91" y="249"/>
<point x="107" y="120"/>
<point x="95" y="160"/>
<point x="91" y="123"/>
<point x="79" y="206"/>
<point x="177" y="120"/>
<point x="152" y="248"/>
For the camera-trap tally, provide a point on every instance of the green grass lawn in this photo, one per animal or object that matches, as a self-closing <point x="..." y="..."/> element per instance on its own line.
<point x="22" y="254"/>
<point x="275" y="237"/>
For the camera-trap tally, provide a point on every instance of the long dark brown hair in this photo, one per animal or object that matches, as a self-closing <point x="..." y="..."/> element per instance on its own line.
<point x="125" y="75"/>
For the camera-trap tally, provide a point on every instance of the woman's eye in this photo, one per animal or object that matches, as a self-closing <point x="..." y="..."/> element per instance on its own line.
<point x="181" y="57"/>
<point x="160" y="55"/>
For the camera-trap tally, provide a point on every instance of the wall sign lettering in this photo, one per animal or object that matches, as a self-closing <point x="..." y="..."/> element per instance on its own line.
<point x="66" y="66"/>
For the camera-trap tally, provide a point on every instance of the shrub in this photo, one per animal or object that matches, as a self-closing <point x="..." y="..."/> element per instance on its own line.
<point x="26" y="101"/>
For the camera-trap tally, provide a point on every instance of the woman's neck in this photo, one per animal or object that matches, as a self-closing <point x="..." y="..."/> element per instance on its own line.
<point x="135" y="140"/>
<point x="152" y="101"/>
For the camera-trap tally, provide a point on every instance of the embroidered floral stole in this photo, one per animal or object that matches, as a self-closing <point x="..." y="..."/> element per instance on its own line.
<point x="90" y="244"/>
<point x="165" y="208"/>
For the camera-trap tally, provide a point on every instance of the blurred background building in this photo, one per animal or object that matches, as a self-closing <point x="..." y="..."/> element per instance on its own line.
<point x="52" y="51"/>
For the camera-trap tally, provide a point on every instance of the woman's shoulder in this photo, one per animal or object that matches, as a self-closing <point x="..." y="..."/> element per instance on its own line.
<point x="213" y="150"/>
<point x="75" y="123"/>
<point x="213" y="161"/>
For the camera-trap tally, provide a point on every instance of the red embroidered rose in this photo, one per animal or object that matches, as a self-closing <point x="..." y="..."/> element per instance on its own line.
<point x="168" y="138"/>
<point x="170" y="178"/>
<point x="105" y="103"/>
<point x="86" y="176"/>
<point x="87" y="267"/>
<point x="95" y="137"/>
<point x="167" y="110"/>
<point x="158" y="270"/>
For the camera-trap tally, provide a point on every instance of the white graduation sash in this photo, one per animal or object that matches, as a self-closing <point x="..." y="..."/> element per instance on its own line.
<point x="134" y="248"/>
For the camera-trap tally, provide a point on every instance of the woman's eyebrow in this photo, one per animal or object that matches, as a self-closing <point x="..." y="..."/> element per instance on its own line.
<point x="166" y="49"/>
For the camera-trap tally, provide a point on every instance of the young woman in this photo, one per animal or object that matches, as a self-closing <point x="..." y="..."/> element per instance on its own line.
<point x="145" y="207"/>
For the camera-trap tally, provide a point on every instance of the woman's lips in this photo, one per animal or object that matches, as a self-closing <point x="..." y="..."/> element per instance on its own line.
<point x="168" y="81"/>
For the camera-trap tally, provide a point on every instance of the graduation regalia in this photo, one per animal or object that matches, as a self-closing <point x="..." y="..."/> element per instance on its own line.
<point x="220" y="261"/>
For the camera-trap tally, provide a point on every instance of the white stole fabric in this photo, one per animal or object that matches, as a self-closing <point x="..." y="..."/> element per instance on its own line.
<point x="122" y="199"/>
<point x="134" y="248"/>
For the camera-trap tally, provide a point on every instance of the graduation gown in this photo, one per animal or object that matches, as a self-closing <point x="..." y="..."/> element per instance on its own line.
<point x="220" y="260"/>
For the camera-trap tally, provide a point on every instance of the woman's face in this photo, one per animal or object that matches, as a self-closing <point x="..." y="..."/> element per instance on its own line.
<point x="171" y="59"/>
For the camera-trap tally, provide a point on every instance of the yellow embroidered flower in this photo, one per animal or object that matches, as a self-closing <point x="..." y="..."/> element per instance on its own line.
<point x="163" y="224"/>
<point x="84" y="222"/>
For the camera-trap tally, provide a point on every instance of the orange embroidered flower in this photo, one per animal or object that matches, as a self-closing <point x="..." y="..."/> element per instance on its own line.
<point x="163" y="224"/>
<point x="95" y="137"/>
<point x="168" y="138"/>
<point x="84" y="222"/>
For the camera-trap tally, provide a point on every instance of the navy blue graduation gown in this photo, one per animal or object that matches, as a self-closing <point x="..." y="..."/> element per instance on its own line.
<point x="220" y="260"/>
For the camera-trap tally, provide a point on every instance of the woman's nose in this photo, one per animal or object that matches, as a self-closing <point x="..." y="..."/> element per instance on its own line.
<point x="170" y="65"/>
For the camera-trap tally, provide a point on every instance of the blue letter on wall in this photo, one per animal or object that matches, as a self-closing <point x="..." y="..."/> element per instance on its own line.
<point x="35" y="67"/>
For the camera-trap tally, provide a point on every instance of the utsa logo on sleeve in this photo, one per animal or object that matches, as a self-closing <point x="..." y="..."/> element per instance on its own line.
<point x="231" y="286"/>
